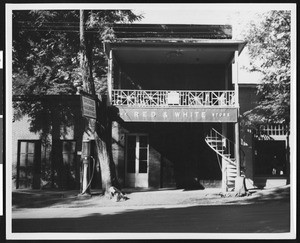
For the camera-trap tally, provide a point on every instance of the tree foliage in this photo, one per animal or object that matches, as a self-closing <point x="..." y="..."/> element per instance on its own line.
<point x="46" y="61"/>
<point x="46" y="46"/>
<point x="269" y="46"/>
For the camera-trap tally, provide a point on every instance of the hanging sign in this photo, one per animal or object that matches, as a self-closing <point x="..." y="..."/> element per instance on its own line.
<point x="88" y="107"/>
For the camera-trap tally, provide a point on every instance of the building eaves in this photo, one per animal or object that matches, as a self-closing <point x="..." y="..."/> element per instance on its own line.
<point x="187" y="42"/>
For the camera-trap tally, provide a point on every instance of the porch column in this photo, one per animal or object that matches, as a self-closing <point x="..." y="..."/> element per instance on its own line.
<point x="236" y="125"/>
<point x="109" y="78"/>
<point x="224" y="162"/>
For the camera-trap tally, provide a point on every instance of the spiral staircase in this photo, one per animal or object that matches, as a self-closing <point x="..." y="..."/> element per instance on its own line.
<point x="224" y="149"/>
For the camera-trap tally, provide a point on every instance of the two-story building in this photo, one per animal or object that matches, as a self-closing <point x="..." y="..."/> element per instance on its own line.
<point x="174" y="89"/>
<point x="175" y="99"/>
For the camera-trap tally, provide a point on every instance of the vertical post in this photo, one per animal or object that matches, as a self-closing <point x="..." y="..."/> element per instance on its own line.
<point x="224" y="163"/>
<point x="236" y="125"/>
<point x="109" y="78"/>
<point x="86" y="151"/>
<point x="18" y="165"/>
<point x="235" y="78"/>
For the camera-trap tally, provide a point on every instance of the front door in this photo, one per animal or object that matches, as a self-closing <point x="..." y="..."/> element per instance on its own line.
<point x="137" y="160"/>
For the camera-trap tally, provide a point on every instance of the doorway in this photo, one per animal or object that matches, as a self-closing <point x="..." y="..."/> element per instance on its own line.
<point x="137" y="160"/>
<point x="29" y="164"/>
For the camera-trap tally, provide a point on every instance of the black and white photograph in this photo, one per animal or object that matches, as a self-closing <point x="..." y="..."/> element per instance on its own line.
<point x="150" y="121"/>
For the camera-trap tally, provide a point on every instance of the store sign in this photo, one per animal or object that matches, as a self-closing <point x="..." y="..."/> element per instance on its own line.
<point x="151" y="114"/>
<point x="88" y="106"/>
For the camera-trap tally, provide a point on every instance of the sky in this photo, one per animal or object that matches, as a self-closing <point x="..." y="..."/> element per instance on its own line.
<point x="237" y="15"/>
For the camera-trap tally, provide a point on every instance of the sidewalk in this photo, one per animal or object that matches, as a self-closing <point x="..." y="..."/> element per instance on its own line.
<point x="167" y="197"/>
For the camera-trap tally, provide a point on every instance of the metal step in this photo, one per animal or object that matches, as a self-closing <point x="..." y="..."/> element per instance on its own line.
<point x="214" y="140"/>
<point x="230" y="184"/>
<point x="231" y="166"/>
<point x="208" y="137"/>
<point x="216" y="147"/>
<point x="231" y="172"/>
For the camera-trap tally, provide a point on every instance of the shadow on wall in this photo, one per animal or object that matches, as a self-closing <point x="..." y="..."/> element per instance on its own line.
<point x="55" y="119"/>
<point x="179" y="156"/>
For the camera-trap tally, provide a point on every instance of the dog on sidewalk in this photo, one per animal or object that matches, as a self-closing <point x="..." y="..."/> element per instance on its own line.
<point x="116" y="194"/>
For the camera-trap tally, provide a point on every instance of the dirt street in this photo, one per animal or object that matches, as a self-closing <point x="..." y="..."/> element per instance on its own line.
<point x="271" y="217"/>
<point x="174" y="211"/>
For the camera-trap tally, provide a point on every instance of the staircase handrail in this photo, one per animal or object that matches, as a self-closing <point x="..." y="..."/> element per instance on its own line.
<point x="227" y="148"/>
<point x="231" y="142"/>
<point x="222" y="136"/>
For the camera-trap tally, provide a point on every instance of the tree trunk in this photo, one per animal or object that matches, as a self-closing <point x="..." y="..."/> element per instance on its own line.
<point x="240" y="186"/>
<point x="97" y="130"/>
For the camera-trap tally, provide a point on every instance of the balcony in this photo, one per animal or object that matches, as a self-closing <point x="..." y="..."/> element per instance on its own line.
<point x="167" y="98"/>
<point x="175" y="106"/>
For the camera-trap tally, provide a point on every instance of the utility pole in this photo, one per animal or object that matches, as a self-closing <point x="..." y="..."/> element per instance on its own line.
<point x="101" y="135"/>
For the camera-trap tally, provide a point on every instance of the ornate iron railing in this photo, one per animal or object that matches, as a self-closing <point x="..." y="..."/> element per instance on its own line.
<point x="154" y="98"/>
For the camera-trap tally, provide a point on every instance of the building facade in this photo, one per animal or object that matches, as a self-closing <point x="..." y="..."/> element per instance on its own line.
<point x="175" y="99"/>
<point x="175" y="93"/>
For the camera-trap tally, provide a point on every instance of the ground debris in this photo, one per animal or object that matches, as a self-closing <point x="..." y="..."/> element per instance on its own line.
<point x="228" y="194"/>
<point x="243" y="194"/>
<point x="115" y="194"/>
<point x="234" y="194"/>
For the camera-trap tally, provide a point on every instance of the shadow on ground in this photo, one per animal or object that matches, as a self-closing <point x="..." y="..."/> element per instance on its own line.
<point x="254" y="218"/>
<point x="44" y="199"/>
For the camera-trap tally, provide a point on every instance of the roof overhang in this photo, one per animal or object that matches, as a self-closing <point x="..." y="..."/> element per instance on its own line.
<point x="170" y="51"/>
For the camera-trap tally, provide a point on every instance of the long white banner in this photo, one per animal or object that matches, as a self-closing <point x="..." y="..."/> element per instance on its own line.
<point x="147" y="114"/>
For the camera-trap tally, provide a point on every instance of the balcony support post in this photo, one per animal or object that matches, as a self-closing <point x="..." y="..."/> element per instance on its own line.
<point x="237" y="124"/>
<point x="109" y="78"/>
<point x="224" y="173"/>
